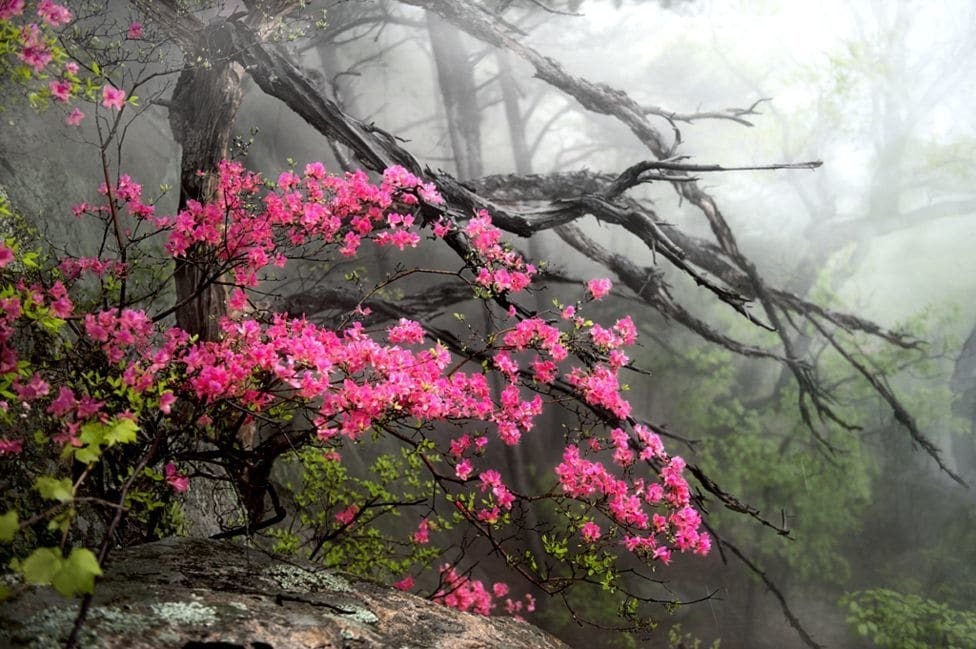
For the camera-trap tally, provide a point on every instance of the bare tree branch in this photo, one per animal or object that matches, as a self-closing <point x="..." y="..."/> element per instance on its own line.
<point x="734" y="114"/>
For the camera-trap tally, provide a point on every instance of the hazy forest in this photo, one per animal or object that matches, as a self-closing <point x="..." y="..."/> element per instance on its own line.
<point x="644" y="320"/>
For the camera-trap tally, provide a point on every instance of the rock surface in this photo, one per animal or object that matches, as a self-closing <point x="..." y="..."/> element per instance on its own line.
<point x="202" y="594"/>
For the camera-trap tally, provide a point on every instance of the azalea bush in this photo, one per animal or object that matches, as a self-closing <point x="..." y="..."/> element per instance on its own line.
<point x="118" y="401"/>
<point x="110" y="413"/>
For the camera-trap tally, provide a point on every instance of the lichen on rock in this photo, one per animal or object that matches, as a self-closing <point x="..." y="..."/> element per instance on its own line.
<point x="186" y="592"/>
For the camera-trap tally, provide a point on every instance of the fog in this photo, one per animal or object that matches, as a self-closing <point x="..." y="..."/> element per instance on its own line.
<point x="882" y="92"/>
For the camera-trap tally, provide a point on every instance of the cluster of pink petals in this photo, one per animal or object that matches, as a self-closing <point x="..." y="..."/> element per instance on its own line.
<point x="73" y="267"/>
<point x="119" y="332"/>
<point x="600" y="387"/>
<point x="355" y="381"/>
<point x="473" y="596"/>
<point x="422" y="535"/>
<point x="70" y="407"/>
<point x="113" y="97"/>
<point x="34" y="50"/>
<point x="6" y="254"/>
<point x="500" y="270"/>
<point x="11" y="8"/>
<point x="347" y="515"/>
<point x="53" y="13"/>
<point x="636" y="506"/>
<point x="247" y="231"/>
<point x="60" y="90"/>
<point x="176" y="480"/>
<point x="599" y="288"/>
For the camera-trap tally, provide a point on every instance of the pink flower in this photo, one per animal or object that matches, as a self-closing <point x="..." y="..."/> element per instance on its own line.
<point x="35" y="52"/>
<point x="135" y="30"/>
<point x="463" y="593"/>
<point x="6" y="255"/>
<point x="33" y="390"/>
<point x="237" y="300"/>
<point x="441" y="228"/>
<point x="179" y="482"/>
<point x="591" y="531"/>
<point x="422" y="535"/>
<point x="663" y="553"/>
<point x="500" y="589"/>
<point x="166" y="400"/>
<point x="11" y="8"/>
<point x="347" y="515"/>
<point x="53" y="14"/>
<point x="71" y="67"/>
<point x="64" y="403"/>
<point x="599" y="288"/>
<point x="74" y="119"/>
<point x="60" y="90"/>
<point x="404" y="584"/>
<point x="406" y="331"/>
<point x="10" y="446"/>
<point x="113" y="97"/>
<point x="463" y="469"/>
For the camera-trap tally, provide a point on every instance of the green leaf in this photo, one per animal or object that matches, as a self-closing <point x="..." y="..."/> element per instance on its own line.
<point x="9" y="525"/>
<point x="42" y="565"/>
<point x="87" y="455"/>
<point x="93" y="433"/>
<point x="54" y="489"/>
<point x="51" y="324"/>
<point x="124" y="432"/>
<point x="77" y="574"/>
<point x="62" y="521"/>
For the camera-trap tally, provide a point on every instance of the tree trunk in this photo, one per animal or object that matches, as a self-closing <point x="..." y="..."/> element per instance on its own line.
<point x="455" y="75"/>
<point x="204" y="105"/>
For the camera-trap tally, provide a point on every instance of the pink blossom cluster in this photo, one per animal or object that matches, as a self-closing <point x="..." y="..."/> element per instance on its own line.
<point x="36" y="50"/>
<point x="6" y="254"/>
<point x="500" y="270"/>
<point x="599" y="288"/>
<point x="73" y="267"/>
<point x="53" y="13"/>
<point x="119" y="332"/>
<point x="247" y="231"/>
<point x="69" y="406"/>
<point x="347" y="515"/>
<point x="600" y="387"/>
<point x="358" y="382"/>
<point x="422" y="535"/>
<point x="472" y="595"/>
<point x="636" y="506"/>
<point x="175" y="479"/>
<point x="353" y="380"/>
<point x="20" y="298"/>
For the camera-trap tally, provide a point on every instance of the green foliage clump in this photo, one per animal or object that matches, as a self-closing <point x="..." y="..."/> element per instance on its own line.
<point x="355" y="523"/>
<point x="893" y="620"/>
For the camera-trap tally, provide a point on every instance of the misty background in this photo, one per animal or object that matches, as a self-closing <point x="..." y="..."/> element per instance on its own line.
<point x="881" y="91"/>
